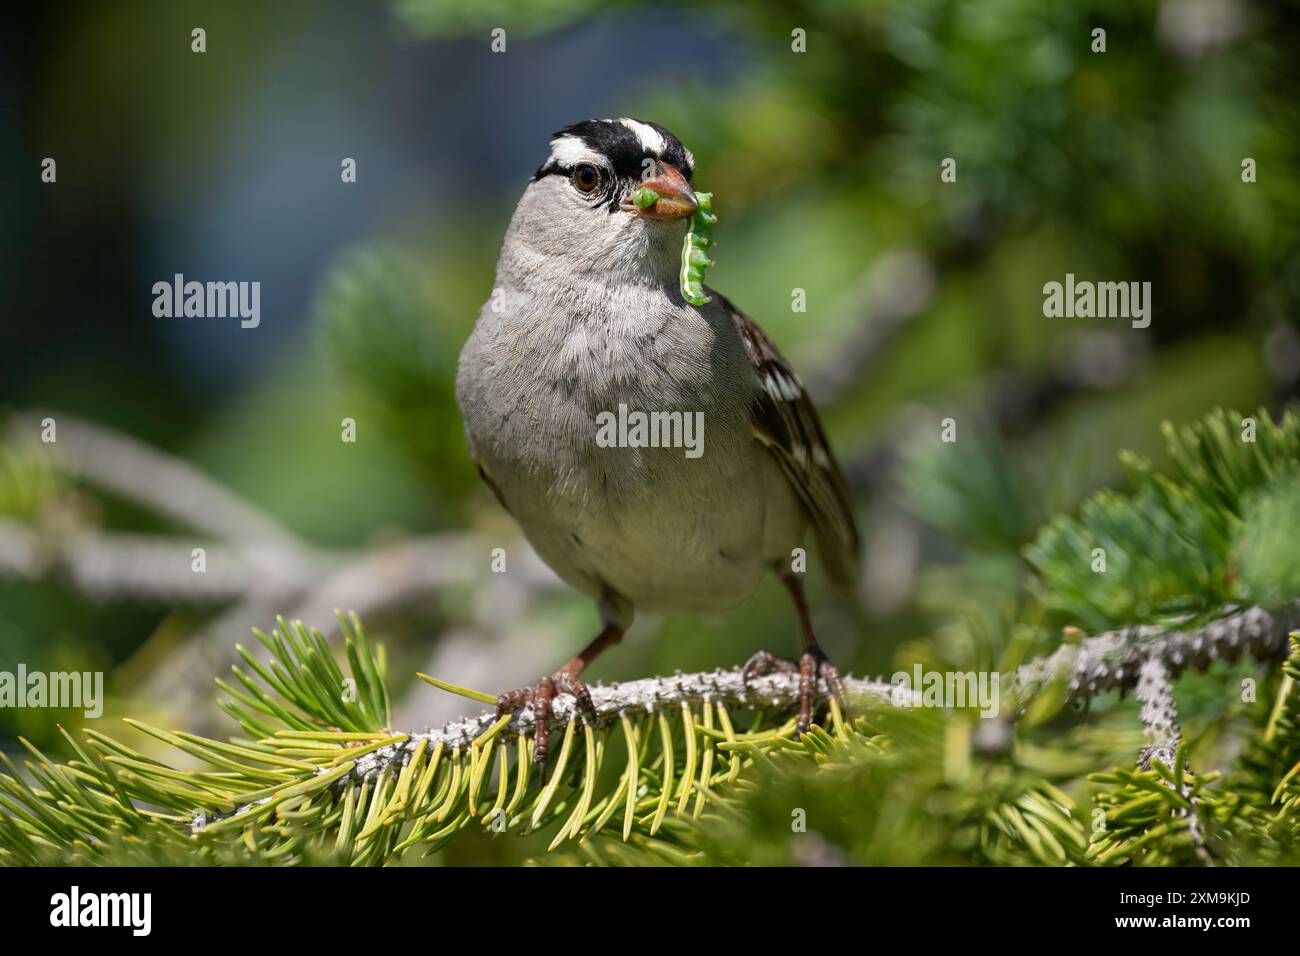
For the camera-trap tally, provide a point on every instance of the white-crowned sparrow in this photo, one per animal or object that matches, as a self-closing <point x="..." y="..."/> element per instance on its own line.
<point x="587" y="317"/>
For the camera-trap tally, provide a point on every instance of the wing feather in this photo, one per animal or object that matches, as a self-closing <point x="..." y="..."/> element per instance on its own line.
<point x="785" y="420"/>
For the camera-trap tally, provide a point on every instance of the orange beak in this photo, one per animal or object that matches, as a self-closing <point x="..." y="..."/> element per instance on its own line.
<point x="665" y="195"/>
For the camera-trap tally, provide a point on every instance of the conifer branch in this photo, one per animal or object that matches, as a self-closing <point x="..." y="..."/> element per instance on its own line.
<point x="322" y="776"/>
<point x="1109" y="661"/>
<point x="319" y="774"/>
<point x="1114" y="659"/>
<point x="163" y="483"/>
<point x="1159" y="716"/>
<point x="726" y="688"/>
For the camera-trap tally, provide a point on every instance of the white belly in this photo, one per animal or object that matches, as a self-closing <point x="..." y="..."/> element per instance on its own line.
<point x="698" y="544"/>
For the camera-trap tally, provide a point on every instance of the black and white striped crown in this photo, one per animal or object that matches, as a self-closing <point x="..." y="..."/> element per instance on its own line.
<point x="621" y="144"/>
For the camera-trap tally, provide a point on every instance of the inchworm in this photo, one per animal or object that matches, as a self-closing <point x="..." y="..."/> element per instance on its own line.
<point x="695" y="257"/>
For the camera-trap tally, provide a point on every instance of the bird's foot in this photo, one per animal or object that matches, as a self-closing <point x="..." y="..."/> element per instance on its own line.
<point x="812" y="668"/>
<point x="539" y="698"/>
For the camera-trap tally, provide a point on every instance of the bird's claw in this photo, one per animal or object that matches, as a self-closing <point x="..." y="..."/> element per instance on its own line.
<point x="539" y="698"/>
<point x="812" y="667"/>
<point x="765" y="662"/>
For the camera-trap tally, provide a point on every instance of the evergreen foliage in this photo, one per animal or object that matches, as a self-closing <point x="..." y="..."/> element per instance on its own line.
<point x="1173" y="544"/>
<point x="319" y="775"/>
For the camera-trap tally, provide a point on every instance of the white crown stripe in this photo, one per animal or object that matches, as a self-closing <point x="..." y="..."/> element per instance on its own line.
<point x="650" y="139"/>
<point x="570" y="150"/>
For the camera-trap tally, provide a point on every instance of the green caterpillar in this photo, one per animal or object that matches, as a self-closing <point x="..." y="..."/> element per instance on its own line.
<point x="695" y="258"/>
<point x="644" y="197"/>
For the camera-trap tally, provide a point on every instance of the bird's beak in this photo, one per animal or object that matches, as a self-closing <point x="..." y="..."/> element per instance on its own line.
<point x="665" y="195"/>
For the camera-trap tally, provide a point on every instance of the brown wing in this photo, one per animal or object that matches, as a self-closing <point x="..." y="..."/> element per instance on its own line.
<point x="785" y="420"/>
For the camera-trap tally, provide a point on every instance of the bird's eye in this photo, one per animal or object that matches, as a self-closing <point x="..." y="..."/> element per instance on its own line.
<point x="586" y="178"/>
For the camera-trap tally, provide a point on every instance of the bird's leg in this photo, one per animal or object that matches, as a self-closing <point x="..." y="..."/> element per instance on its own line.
<point x="813" y="665"/>
<point x="563" y="681"/>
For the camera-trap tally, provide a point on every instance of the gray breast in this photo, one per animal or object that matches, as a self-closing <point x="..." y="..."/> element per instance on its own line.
<point x="670" y="531"/>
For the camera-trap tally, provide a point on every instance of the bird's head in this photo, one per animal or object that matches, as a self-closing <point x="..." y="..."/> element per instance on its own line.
<point x="614" y="194"/>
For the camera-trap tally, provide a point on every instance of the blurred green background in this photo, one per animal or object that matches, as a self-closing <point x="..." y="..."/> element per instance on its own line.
<point x="924" y="301"/>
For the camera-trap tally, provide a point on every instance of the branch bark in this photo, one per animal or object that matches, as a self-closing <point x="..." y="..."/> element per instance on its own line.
<point x="1159" y="716"/>
<point x="1114" y="659"/>
<point x="1108" y="661"/>
<point x="780" y="690"/>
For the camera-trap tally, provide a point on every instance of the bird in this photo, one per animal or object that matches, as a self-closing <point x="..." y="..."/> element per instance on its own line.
<point x="586" y="318"/>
